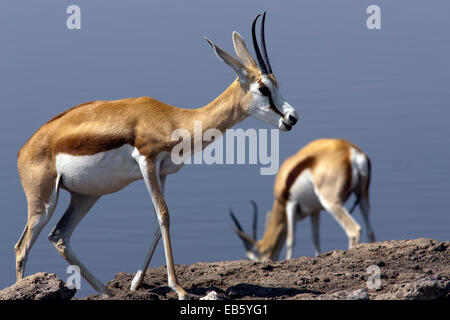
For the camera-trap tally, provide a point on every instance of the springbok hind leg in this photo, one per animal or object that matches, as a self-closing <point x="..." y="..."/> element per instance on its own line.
<point x="42" y="197"/>
<point x="60" y="236"/>
<point x="346" y="221"/>
<point x="365" y="210"/>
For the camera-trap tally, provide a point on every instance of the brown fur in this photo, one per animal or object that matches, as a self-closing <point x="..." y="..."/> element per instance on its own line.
<point x="329" y="162"/>
<point x="275" y="233"/>
<point x="98" y="126"/>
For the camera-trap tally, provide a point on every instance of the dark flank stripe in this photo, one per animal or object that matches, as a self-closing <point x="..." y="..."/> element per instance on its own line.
<point x="295" y="172"/>
<point x="82" y="145"/>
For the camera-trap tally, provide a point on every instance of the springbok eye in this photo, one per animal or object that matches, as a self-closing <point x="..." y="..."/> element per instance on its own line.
<point x="264" y="91"/>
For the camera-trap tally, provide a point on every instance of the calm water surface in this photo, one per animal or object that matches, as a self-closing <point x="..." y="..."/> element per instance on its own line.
<point x="386" y="90"/>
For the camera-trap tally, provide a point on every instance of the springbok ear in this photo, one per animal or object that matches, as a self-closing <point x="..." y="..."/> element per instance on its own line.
<point x="234" y="63"/>
<point x="242" y="51"/>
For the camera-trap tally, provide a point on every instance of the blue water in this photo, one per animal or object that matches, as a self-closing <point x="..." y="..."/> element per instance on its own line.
<point x="385" y="90"/>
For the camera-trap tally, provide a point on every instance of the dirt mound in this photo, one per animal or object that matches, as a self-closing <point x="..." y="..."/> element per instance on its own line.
<point x="405" y="269"/>
<point x="39" y="286"/>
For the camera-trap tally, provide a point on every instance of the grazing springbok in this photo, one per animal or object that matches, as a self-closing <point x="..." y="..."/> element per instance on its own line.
<point x="321" y="176"/>
<point x="100" y="147"/>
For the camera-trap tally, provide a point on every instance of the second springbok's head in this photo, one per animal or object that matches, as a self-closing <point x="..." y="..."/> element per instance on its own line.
<point x="262" y="98"/>
<point x="262" y="250"/>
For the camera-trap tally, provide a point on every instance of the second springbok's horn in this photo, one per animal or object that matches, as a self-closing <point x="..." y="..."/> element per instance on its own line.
<point x="248" y="242"/>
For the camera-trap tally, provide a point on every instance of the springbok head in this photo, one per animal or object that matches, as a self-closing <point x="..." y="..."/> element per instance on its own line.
<point x="262" y="97"/>
<point x="250" y="243"/>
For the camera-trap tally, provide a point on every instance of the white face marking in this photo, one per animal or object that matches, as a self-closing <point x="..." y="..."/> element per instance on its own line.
<point x="260" y="106"/>
<point x="253" y="256"/>
<point x="98" y="174"/>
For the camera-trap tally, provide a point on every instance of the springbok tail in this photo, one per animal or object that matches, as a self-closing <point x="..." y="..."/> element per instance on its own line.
<point x="363" y="165"/>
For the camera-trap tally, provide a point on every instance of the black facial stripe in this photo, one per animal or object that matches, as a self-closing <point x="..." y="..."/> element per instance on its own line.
<point x="274" y="108"/>
<point x="266" y="92"/>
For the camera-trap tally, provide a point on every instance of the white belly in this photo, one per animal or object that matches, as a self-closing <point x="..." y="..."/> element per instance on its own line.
<point x="303" y="192"/>
<point x="98" y="174"/>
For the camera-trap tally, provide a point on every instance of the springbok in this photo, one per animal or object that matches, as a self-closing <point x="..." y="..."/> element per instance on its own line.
<point x="100" y="147"/>
<point x="321" y="176"/>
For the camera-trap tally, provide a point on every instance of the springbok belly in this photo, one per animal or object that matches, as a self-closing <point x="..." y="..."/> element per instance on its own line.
<point x="100" y="173"/>
<point x="303" y="192"/>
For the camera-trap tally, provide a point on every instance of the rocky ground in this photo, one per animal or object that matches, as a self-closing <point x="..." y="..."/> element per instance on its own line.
<point x="39" y="286"/>
<point x="409" y="269"/>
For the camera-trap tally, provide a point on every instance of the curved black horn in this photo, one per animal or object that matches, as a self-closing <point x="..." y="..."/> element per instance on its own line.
<point x="235" y="220"/>
<point x="255" y="219"/>
<point x="263" y="45"/>
<point x="259" y="57"/>
<point x="248" y="242"/>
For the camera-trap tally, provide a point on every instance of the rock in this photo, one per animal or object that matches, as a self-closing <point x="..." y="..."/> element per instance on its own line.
<point x="39" y="286"/>
<point x="428" y="288"/>
<point x="359" y="294"/>
<point x="212" y="295"/>
<point x="440" y="247"/>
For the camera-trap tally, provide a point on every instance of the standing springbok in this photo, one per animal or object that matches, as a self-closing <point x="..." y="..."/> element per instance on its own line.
<point x="100" y="147"/>
<point x="321" y="176"/>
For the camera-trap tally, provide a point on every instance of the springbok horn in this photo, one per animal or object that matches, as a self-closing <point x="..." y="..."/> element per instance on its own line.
<point x="263" y="45"/>
<point x="259" y="57"/>
<point x="248" y="242"/>
<point x="235" y="220"/>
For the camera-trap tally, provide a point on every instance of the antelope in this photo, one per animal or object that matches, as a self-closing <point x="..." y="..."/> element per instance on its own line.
<point x="320" y="176"/>
<point x="100" y="147"/>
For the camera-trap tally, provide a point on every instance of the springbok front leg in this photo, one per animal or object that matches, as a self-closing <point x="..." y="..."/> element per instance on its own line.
<point x="315" y="219"/>
<point x="150" y="172"/>
<point x="61" y="234"/>
<point x="137" y="280"/>
<point x="291" y="212"/>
